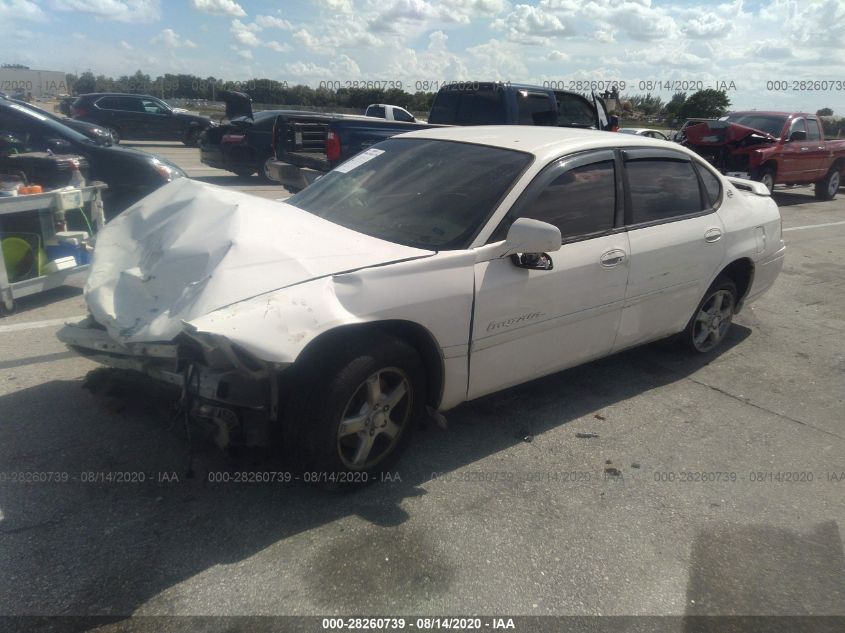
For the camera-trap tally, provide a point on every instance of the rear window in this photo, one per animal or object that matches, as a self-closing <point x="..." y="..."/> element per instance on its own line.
<point x="376" y="111"/>
<point x="771" y="124"/>
<point x="462" y="106"/>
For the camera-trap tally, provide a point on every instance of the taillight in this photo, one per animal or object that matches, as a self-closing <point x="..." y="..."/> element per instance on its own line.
<point x="233" y="138"/>
<point x="332" y="146"/>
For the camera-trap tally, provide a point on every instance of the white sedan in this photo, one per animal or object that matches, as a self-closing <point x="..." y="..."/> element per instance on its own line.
<point x="431" y="269"/>
<point x="642" y="131"/>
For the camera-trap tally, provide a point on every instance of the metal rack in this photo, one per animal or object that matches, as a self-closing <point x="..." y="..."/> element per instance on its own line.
<point x="45" y="205"/>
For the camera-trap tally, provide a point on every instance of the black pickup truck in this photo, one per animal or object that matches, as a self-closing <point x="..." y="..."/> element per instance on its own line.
<point x="307" y="146"/>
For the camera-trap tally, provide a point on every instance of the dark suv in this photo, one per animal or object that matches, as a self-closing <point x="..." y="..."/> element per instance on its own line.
<point x="139" y="117"/>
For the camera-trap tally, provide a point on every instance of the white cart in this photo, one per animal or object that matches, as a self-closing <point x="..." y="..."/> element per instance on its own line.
<point x="45" y="205"/>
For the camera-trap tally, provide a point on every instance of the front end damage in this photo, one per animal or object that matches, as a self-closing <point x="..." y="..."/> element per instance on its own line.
<point x="733" y="149"/>
<point x="215" y="293"/>
<point x="219" y="385"/>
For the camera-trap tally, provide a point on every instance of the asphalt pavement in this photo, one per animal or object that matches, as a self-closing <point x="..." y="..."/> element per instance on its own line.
<point x="648" y="483"/>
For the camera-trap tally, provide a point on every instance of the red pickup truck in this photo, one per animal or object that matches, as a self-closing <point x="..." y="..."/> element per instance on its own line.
<point x="775" y="148"/>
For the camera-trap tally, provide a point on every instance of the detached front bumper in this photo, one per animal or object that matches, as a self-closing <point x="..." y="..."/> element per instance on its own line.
<point x="292" y="177"/>
<point x="217" y="373"/>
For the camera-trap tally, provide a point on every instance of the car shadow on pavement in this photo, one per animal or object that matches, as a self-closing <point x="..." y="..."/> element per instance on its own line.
<point x="791" y="198"/>
<point x="127" y="524"/>
<point x="43" y="299"/>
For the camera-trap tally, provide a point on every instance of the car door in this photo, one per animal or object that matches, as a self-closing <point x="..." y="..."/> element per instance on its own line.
<point x="676" y="242"/>
<point x="527" y="323"/>
<point x="126" y="116"/>
<point x="158" y="120"/>
<point x="818" y="150"/>
<point x="797" y="159"/>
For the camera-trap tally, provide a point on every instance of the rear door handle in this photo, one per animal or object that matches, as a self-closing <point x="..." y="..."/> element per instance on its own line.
<point x="713" y="235"/>
<point x="612" y="258"/>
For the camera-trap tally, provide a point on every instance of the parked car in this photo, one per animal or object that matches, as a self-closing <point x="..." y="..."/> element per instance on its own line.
<point x="139" y="117"/>
<point x="433" y="268"/>
<point x="389" y="112"/>
<point x="244" y="144"/>
<point x="775" y="148"/>
<point x="130" y="174"/>
<point x="99" y="135"/>
<point x="307" y="146"/>
<point x="643" y="131"/>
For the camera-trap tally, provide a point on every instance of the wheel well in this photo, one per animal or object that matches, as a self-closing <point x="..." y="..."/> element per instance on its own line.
<point x="839" y="164"/>
<point x="412" y="333"/>
<point x="769" y="164"/>
<point x="741" y="272"/>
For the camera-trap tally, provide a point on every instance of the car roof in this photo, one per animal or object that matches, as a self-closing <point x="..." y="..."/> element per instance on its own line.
<point x="545" y="142"/>
<point x="118" y="94"/>
<point x="772" y="113"/>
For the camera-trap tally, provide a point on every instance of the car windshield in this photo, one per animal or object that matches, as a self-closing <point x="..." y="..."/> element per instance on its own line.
<point x="771" y="124"/>
<point x="60" y="129"/>
<point x="418" y="192"/>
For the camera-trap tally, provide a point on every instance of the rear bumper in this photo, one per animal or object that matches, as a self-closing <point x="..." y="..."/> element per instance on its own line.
<point x="213" y="157"/>
<point x="765" y="273"/>
<point x="291" y="176"/>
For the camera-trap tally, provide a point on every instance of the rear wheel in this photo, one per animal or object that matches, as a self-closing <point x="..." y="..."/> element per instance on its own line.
<point x="192" y="137"/>
<point x="264" y="170"/>
<point x="713" y="317"/>
<point x="244" y="172"/>
<point x="767" y="177"/>
<point x="828" y="187"/>
<point x="358" y="411"/>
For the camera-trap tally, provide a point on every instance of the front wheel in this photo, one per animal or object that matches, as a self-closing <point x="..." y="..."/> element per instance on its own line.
<point x="712" y="320"/>
<point x="359" y="411"/>
<point x="767" y="177"/>
<point x="827" y="187"/>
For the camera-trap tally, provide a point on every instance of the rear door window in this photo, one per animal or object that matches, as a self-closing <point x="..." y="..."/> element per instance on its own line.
<point x="535" y="108"/>
<point x="574" y="110"/>
<point x="462" y="105"/>
<point x="813" y="133"/>
<point x="662" y="189"/>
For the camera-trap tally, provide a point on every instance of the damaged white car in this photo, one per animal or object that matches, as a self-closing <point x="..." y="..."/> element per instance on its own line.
<point x="431" y="269"/>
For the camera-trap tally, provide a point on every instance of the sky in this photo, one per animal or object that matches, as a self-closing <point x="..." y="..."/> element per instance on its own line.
<point x="782" y="54"/>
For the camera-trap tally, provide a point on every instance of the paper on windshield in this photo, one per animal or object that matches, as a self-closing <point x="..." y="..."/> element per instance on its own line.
<point x="359" y="159"/>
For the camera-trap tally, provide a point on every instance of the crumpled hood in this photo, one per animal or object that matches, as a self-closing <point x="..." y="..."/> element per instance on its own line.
<point x="190" y="248"/>
<point x="723" y="133"/>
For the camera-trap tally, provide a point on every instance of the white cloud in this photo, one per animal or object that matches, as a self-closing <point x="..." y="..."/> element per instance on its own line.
<point x="219" y="7"/>
<point x="529" y="24"/>
<point x="125" y="45"/>
<point x="341" y="68"/>
<point x="169" y="38"/>
<point x="119" y="10"/>
<point x="278" y="46"/>
<point x="272" y="22"/>
<point x="20" y="10"/>
<point x="557" y="56"/>
<point x="244" y="34"/>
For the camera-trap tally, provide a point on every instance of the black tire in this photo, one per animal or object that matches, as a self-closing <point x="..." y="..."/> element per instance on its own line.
<point x="192" y="137"/>
<point x="828" y="187"/>
<point x="244" y="172"/>
<point x="694" y="336"/>
<point x="767" y="177"/>
<point x="335" y="387"/>
<point x="115" y="135"/>
<point x="262" y="170"/>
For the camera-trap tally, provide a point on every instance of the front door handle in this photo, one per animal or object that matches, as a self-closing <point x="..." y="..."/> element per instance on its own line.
<point x="612" y="258"/>
<point x="713" y="235"/>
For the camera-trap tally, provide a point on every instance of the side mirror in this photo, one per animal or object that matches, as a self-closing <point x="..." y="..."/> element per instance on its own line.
<point x="529" y="241"/>
<point x="59" y="146"/>
<point x="798" y="135"/>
